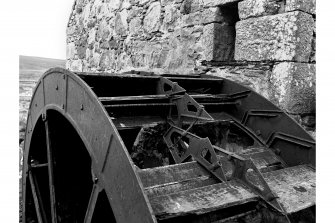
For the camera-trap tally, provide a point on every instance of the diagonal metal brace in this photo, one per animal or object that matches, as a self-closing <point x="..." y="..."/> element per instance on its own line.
<point x="170" y="88"/>
<point x="199" y="148"/>
<point x="241" y="167"/>
<point x="187" y="107"/>
<point x="202" y="151"/>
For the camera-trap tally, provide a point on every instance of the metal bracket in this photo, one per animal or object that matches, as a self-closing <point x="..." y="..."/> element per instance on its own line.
<point x="187" y="107"/>
<point x="184" y="145"/>
<point x="200" y="149"/>
<point x="169" y="88"/>
<point x="241" y="167"/>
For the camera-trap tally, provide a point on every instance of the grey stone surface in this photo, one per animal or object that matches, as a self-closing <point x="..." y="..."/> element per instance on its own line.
<point x="253" y="76"/>
<point x="283" y="37"/>
<point x="256" y="8"/>
<point x="75" y="65"/>
<point x="294" y="87"/>
<point x="303" y="5"/>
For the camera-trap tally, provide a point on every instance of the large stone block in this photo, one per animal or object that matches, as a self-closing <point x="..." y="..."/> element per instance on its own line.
<point x="256" y="8"/>
<point x="303" y="5"/>
<point x="283" y="37"/>
<point x="294" y="87"/>
<point x="218" y="42"/>
<point x="254" y="76"/>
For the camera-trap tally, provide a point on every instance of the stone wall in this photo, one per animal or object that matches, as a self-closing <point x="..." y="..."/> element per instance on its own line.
<point x="268" y="45"/>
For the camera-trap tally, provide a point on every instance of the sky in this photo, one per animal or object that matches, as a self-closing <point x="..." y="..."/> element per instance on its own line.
<point x="42" y="26"/>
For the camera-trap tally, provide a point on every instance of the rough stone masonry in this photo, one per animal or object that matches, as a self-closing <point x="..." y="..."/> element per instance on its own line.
<point x="268" y="45"/>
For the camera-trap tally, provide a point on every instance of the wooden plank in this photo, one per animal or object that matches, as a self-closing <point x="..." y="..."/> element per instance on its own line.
<point x="185" y="171"/>
<point x="263" y="158"/>
<point x="174" y="187"/>
<point x="177" y="189"/>
<point x="172" y="173"/>
<point x="295" y="187"/>
<point x="201" y="200"/>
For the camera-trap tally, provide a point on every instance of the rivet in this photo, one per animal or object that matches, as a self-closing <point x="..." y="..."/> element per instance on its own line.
<point x="81" y="107"/>
<point x="63" y="76"/>
<point x="277" y="151"/>
<point x="258" y="132"/>
<point x="63" y="106"/>
<point x="56" y="87"/>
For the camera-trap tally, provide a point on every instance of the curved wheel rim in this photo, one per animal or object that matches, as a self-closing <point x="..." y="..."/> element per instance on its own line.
<point x="62" y="91"/>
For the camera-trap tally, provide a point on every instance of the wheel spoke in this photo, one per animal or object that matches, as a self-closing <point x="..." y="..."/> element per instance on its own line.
<point x="51" y="174"/>
<point x="41" y="216"/>
<point x="91" y="204"/>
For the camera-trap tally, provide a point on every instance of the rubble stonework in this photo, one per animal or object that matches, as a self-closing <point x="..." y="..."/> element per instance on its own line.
<point x="268" y="45"/>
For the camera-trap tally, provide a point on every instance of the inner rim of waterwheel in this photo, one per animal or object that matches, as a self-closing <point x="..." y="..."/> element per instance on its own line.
<point x="73" y="179"/>
<point x="94" y="151"/>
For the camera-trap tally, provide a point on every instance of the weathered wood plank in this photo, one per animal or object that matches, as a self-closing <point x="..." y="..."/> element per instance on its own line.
<point x="201" y="200"/>
<point x="183" y="185"/>
<point x="295" y="187"/>
<point x="192" y="170"/>
<point x="172" y="173"/>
